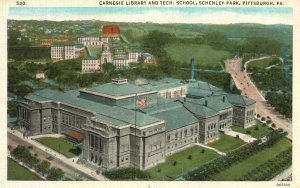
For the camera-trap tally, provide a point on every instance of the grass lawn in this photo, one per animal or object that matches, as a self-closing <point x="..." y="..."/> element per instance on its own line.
<point x="226" y="143"/>
<point x="203" y="54"/>
<point x="18" y="172"/>
<point x="183" y="164"/>
<point x="60" y="145"/>
<point x="262" y="129"/>
<point x="238" y="170"/>
<point x="262" y="64"/>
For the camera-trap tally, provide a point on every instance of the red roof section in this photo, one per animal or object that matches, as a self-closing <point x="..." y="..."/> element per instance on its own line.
<point x="111" y="30"/>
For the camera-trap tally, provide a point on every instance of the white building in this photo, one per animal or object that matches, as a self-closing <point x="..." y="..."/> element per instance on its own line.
<point x="90" y="64"/>
<point x="90" y="41"/>
<point x="61" y="51"/>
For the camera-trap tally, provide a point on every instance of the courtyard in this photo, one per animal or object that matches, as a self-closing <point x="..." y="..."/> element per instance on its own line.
<point x="226" y="143"/>
<point x="60" y="145"/>
<point x="181" y="162"/>
<point x="256" y="131"/>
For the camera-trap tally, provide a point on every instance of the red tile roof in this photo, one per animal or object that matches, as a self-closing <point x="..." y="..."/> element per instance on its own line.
<point x="111" y="30"/>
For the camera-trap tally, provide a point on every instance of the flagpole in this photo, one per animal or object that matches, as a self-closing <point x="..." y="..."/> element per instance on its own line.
<point x="135" y="130"/>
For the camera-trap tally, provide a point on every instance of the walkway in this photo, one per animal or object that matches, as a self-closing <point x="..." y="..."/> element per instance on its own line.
<point x="284" y="176"/>
<point x="68" y="161"/>
<point x="246" y="138"/>
<point x="214" y="149"/>
<point x="245" y="84"/>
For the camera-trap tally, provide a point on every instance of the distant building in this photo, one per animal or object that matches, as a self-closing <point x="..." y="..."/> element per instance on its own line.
<point x="61" y="51"/>
<point x="49" y="42"/>
<point x="147" y="58"/>
<point x="40" y="75"/>
<point x="112" y="32"/>
<point x="90" y="64"/>
<point x="90" y="41"/>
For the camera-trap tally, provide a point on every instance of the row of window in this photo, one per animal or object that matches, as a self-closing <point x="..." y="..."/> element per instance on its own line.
<point x="24" y="114"/>
<point x="178" y="135"/>
<point x="95" y="143"/>
<point x="72" y="120"/>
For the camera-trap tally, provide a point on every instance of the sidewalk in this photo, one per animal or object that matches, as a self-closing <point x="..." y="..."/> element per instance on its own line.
<point x="246" y="138"/>
<point x="68" y="161"/>
<point x="214" y="149"/>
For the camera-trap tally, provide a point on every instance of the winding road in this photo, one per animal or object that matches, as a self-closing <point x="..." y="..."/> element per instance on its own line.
<point x="245" y="84"/>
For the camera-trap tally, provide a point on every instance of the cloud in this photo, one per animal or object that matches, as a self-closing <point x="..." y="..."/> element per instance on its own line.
<point x="170" y="16"/>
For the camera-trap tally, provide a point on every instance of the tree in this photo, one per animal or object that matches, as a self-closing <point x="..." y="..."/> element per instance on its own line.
<point x="55" y="174"/>
<point x="22" y="90"/>
<point x="43" y="167"/>
<point x="12" y="108"/>
<point x="33" y="161"/>
<point x="108" y="68"/>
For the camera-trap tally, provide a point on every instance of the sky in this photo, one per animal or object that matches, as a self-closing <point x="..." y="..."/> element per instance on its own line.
<point x="214" y="15"/>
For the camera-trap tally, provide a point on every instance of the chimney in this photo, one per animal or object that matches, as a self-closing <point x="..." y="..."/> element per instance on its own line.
<point x="205" y="103"/>
<point x="224" y="98"/>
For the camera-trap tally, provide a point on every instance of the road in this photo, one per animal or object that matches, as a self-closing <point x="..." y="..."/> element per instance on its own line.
<point x="245" y="84"/>
<point x="71" y="172"/>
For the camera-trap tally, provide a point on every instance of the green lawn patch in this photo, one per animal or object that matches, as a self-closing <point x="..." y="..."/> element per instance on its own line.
<point x="203" y="54"/>
<point x="264" y="63"/>
<point x="239" y="170"/>
<point x="60" y="145"/>
<point x="181" y="162"/>
<point x="226" y="143"/>
<point x="18" y="172"/>
<point x="260" y="131"/>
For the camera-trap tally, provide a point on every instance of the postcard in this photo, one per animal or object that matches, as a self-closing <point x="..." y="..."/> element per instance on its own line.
<point x="149" y="93"/>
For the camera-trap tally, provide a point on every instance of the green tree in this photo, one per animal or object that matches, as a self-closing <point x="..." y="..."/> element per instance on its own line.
<point x="43" y="167"/>
<point x="55" y="174"/>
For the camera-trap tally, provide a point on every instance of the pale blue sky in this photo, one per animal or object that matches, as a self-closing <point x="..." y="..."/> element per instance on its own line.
<point x="142" y="14"/>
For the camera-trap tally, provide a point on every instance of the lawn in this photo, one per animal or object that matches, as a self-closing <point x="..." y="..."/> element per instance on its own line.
<point x="226" y="143"/>
<point x="262" y="64"/>
<point x="256" y="133"/>
<point x="169" y="171"/>
<point x="60" y="145"/>
<point x="203" y="54"/>
<point x="238" y="170"/>
<point x="18" y="172"/>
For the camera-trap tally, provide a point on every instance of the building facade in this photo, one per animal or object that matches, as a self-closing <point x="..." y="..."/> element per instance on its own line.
<point x="131" y="124"/>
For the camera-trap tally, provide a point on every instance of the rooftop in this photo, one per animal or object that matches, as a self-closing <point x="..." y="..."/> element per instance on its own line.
<point x="115" y="115"/>
<point x="113" y="89"/>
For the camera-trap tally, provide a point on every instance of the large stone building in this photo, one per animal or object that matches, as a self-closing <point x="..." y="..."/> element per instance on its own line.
<point x="135" y="124"/>
<point x="62" y="51"/>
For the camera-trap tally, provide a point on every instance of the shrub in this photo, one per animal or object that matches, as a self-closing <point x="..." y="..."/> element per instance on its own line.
<point x="273" y="125"/>
<point x="237" y="136"/>
<point x="258" y="115"/>
<point x="174" y="163"/>
<point x="126" y="174"/>
<point x="203" y="151"/>
<point x="268" y="121"/>
<point x="29" y="147"/>
<point x="263" y="118"/>
<point x="190" y="157"/>
<point x="248" y="132"/>
<point x="256" y="128"/>
<point x="159" y="170"/>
